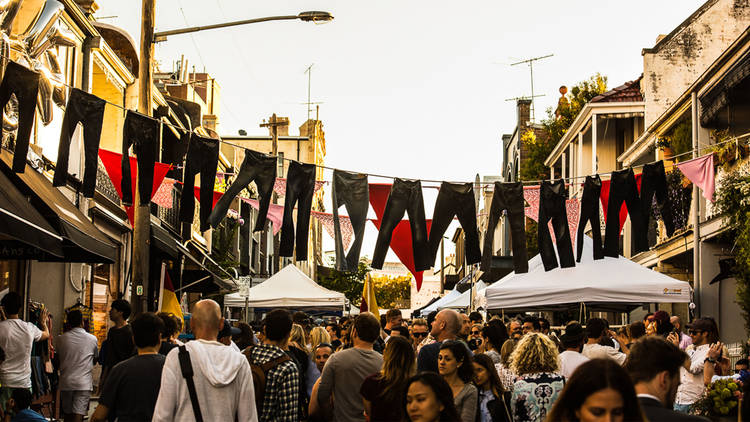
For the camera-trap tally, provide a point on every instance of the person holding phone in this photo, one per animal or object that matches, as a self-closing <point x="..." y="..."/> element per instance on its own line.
<point x="704" y="333"/>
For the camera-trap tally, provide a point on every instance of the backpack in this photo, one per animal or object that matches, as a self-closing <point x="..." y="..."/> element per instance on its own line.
<point x="259" y="374"/>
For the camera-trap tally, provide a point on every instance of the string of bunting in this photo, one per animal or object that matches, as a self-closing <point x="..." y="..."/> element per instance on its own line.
<point x="699" y="170"/>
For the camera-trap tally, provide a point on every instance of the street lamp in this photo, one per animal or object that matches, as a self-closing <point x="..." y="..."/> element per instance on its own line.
<point x="312" y="16"/>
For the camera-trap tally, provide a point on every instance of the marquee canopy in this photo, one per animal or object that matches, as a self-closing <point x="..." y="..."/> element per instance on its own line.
<point x="289" y="288"/>
<point x="609" y="283"/>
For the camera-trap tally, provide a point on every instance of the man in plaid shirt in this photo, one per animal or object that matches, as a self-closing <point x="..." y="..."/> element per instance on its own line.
<point x="281" y="399"/>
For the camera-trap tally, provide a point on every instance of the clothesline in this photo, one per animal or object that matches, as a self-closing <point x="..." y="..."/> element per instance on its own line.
<point x="526" y="182"/>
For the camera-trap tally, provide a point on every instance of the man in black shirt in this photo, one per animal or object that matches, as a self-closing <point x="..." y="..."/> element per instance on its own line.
<point x="119" y="344"/>
<point x="132" y="386"/>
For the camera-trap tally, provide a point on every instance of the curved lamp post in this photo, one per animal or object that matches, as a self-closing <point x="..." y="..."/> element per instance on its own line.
<point x="313" y="16"/>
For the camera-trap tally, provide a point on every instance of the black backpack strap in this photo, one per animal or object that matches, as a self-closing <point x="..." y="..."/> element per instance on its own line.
<point x="187" y="373"/>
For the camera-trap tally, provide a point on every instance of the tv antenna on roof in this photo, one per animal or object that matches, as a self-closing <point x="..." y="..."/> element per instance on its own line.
<point x="531" y="71"/>
<point x="309" y="84"/>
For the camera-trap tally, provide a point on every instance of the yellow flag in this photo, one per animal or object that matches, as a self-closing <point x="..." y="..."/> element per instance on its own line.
<point x="169" y="302"/>
<point x="369" y="303"/>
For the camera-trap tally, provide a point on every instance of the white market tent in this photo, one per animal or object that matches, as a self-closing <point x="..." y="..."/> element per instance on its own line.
<point x="462" y="301"/>
<point x="614" y="283"/>
<point x="289" y="288"/>
<point x="434" y="306"/>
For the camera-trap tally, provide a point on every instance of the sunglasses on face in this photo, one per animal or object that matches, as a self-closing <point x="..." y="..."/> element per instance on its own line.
<point x="476" y="333"/>
<point x="419" y="334"/>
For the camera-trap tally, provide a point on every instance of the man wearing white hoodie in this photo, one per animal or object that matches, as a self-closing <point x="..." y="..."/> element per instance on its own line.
<point x="222" y="377"/>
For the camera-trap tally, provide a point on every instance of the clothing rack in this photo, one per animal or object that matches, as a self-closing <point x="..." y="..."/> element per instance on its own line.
<point x="526" y="182"/>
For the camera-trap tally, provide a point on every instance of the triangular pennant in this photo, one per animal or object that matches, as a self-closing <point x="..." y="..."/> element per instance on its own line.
<point x="700" y="171"/>
<point x="401" y="240"/>
<point x="112" y="164"/>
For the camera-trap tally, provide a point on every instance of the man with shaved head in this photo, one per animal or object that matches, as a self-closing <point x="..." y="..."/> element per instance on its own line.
<point x="222" y="377"/>
<point x="446" y="326"/>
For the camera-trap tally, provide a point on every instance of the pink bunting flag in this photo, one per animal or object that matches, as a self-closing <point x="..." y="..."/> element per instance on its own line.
<point x="275" y="213"/>
<point x="700" y="171"/>
<point x="326" y="219"/>
<point x="164" y="195"/>
<point x="572" y="206"/>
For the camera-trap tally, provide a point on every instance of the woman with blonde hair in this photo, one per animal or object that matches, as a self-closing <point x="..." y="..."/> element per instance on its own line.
<point x="318" y="335"/>
<point x="507" y="377"/>
<point x="538" y="386"/>
<point x="381" y="391"/>
<point x="297" y="337"/>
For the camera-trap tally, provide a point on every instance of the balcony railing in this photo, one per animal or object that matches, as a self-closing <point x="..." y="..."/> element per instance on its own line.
<point x="104" y="185"/>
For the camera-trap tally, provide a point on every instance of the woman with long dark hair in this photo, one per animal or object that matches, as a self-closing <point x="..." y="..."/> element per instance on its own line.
<point x="429" y="398"/>
<point x="456" y="367"/>
<point x="493" y="399"/>
<point x="379" y="391"/>
<point x="494" y="335"/>
<point x="599" y="389"/>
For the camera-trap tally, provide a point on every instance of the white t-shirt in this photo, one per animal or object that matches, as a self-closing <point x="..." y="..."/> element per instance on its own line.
<point x="597" y="351"/>
<point x="77" y="350"/>
<point x="691" y="381"/>
<point x="569" y="361"/>
<point x="16" y="338"/>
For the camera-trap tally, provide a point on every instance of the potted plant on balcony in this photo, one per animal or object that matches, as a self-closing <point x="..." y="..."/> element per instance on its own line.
<point x="665" y="145"/>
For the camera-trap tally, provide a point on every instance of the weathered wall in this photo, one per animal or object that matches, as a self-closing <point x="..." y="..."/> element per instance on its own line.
<point x="681" y="57"/>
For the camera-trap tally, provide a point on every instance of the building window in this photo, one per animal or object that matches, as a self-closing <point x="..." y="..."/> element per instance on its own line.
<point x="280" y="163"/>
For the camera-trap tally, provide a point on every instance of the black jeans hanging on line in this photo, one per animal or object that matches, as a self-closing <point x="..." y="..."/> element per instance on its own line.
<point x="257" y="167"/>
<point x="89" y="111"/>
<point x="508" y="197"/>
<point x="142" y="132"/>
<point x="456" y="199"/>
<point x="654" y="182"/>
<point x="552" y="197"/>
<point x="592" y="190"/>
<point x="202" y="157"/>
<point x="352" y="191"/>
<point x="405" y="196"/>
<point x="25" y="84"/>
<point x="300" y="187"/>
<point x="623" y="188"/>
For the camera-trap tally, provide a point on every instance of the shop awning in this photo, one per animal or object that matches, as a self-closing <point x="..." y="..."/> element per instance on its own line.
<point x="163" y="240"/>
<point x="24" y="233"/>
<point x="82" y="241"/>
<point x="720" y="95"/>
<point x="197" y="277"/>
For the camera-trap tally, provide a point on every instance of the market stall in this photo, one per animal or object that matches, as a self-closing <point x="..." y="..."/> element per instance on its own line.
<point x="289" y="288"/>
<point x="605" y="284"/>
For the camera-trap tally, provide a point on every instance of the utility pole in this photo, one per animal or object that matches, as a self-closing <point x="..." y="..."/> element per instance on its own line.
<point x="274" y="124"/>
<point x="531" y="71"/>
<point x="142" y="223"/>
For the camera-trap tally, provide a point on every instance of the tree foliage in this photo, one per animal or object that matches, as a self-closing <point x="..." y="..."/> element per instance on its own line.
<point x="222" y="247"/>
<point x="557" y="123"/>
<point x="391" y="291"/>
<point x="348" y="283"/>
<point x="733" y="202"/>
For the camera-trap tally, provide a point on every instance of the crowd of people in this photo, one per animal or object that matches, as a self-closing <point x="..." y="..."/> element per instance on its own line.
<point x="448" y="367"/>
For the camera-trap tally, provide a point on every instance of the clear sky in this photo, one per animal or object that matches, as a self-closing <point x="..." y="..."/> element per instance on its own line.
<point x="412" y="88"/>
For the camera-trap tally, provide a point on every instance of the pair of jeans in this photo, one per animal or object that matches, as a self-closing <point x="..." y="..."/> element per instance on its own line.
<point x="456" y="199"/>
<point x="405" y="196"/>
<point x="142" y="132"/>
<point x="623" y="188"/>
<point x="202" y="157"/>
<point x="552" y="197"/>
<point x="592" y="191"/>
<point x="257" y="167"/>
<point x="173" y="150"/>
<point x="654" y="182"/>
<point x="507" y="197"/>
<point x="25" y="84"/>
<point x="88" y="110"/>
<point x="300" y="187"/>
<point x="352" y="191"/>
